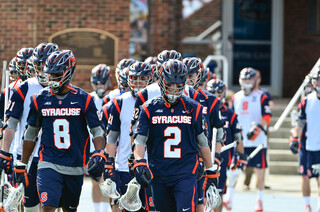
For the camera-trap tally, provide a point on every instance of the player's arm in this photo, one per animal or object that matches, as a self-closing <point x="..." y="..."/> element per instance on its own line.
<point x="113" y="127"/>
<point x="29" y="142"/>
<point x="265" y="110"/>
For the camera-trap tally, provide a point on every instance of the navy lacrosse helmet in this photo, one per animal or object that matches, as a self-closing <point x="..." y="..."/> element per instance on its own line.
<point x="153" y="62"/>
<point x="30" y="67"/>
<point x="218" y="88"/>
<point x="166" y="55"/>
<point x="100" y="74"/>
<point x="13" y="73"/>
<point x="21" y="61"/>
<point x="195" y="70"/>
<point x="172" y="72"/>
<point x="138" y="76"/>
<point x="62" y="64"/>
<point x="121" y="73"/>
<point x="247" y="74"/>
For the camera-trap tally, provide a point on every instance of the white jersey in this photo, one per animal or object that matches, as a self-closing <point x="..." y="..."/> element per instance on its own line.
<point x="251" y="109"/>
<point x="33" y="87"/>
<point x="312" y="106"/>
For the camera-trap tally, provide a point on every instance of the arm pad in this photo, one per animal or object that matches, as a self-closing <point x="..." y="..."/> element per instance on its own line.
<point x="237" y="136"/>
<point x="12" y="123"/>
<point x="140" y="140"/>
<point x="202" y="140"/>
<point x="97" y="132"/>
<point x="112" y="137"/>
<point x="31" y="133"/>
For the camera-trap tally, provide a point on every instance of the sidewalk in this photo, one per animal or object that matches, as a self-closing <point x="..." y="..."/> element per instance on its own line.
<point x="284" y="195"/>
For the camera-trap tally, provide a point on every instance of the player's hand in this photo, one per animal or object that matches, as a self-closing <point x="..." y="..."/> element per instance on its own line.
<point x="294" y="144"/>
<point x="96" y="164"/>
<point x="3" y="126"/>
<point x="6" y="162"/>
<point x="131" y="164"/>
<point x="212" y="177"/>
<point x="255" y="131"/>
<point x="20" y="172"/>
<point x="142" y="172"/>
<point x="239" y="161"/>
<point x="109" y="171"/>
<point x="200" y="169"/>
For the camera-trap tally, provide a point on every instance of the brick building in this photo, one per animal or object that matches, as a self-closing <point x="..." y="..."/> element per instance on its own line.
<point x="290" y="50"/>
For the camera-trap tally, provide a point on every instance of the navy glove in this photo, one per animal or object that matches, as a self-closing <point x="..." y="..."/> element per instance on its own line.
<point x="130" y="165"/>
<point x="218" y="159"/>
<point x="109" y="171"/>
<point x="239" y="161"/>
<point x="200" y="169"/>
<point x="96" y="164"/>
<point x="294" y="144"/>
<point x="3" y="126"/>
<point x="211" y="175"/>
<point x="142" y="172"/>
<point x="6" y="162"/>
<point x="20" y="172"/>
<point x="255" y="131"/>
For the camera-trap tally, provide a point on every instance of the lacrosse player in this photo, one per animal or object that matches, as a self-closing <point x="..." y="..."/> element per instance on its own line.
<point x="254" y="114"/>
<point x="62" y="111"/>
<point x="233" y="133"/>
<point x="307" y="124"/>
<point x="171" y="127"/>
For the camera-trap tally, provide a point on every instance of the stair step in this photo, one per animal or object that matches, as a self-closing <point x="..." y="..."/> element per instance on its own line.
<point x="282" y="155"/>
<point x="286" y="123"/>
<point x="283" y="168"/>
<point x="279" y="143"/>
<point x="280" y="133"/>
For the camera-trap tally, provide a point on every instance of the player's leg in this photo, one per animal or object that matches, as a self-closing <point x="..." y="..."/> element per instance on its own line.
<point x="261" y="165"/>
<point x="248" y="174"/>
<point x="185" y="193"/>
<point x="32" y="201"/>
<point x="50" y="185"/>
<point x="200" y="207"/>
<point x="72" y="185"/>
<point x="314" y="158"/>
<point x="305" y="187"/>
<point x="100" y="202"/>
<point x="222" y="183"/>
<point x="146" y="197"/>
<point x="164" y="198"/>
<point x="122" y="180"/>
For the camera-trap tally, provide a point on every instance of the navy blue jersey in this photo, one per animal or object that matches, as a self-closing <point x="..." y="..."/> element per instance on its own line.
<point x="65" y="137"/>
<point x="171" y="145"/>
<point x="231" y="127"/>
<point x="267" y="93"/>
<point x="211" y="106"/>
<point x="301" y="109"/>
<point x="106" y="110"/>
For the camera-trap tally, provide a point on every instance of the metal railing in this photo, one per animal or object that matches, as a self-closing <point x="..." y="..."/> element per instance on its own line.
<point x="293" y="101"/>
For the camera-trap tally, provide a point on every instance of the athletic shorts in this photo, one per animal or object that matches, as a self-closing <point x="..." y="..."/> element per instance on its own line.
<point x="259" y="160"/>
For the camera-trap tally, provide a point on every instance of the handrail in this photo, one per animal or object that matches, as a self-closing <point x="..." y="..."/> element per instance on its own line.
<point x="293" y="100"/>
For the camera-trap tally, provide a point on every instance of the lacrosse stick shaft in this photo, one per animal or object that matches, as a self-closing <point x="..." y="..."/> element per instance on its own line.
<point x="213" y="143"/>
<point x="229" y="146"/>
<point x="255" y="152"/>
<point x="4" y="68"/>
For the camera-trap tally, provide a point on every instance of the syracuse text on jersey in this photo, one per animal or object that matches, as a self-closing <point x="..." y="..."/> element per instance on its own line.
<point x="61" y="111"/>
<point x="171" y="120"/>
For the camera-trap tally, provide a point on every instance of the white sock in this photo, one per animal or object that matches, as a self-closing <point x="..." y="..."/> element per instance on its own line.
<point x="32" y="209"/>
<point x="105" y="207"/>
<point x="260" y="195"/>
<point x="306" y="200"/>
<point x="230" y="192"/>
<point x="96" y="206"/>
<point x="318" y="209"/>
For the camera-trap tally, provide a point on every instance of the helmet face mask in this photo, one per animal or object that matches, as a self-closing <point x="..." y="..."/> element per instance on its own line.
<point x="21" y="62"/>
<point x="139" y="75"/>
<point x="248" y="80"/>
<point x="316" y="84"/>
<point x="172" y="80"/>
<point x="121" y="73"/>
<point x="217" y="88"/>
<point x="100" y="79"/>
<point x="195" y="71"/>
<point x="13" y="74"/>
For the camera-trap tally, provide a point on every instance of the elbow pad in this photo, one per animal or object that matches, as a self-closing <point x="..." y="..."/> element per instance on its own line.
<point x="112" y="137"/>
<point x="31" y="133"/>
<point x="97" y="132"/>
<point x="12" y="123"/>
<point x="202" y="140"/>
<point x="220" y="135"/>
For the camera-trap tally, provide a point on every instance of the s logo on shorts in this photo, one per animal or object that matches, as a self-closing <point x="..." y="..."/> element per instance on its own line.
<point x="43" y="196"/>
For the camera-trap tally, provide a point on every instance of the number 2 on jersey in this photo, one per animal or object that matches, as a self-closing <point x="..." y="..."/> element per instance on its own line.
<point x="61" y="134"/>
<point x="176" y="152"/>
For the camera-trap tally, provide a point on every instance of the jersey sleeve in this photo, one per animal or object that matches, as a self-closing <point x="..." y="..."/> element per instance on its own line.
<point x="92" y="114"/>
<point x="200" y="123"/>
<point x="105" y="114"/>
<point x="265" y="108"/>
<point x="141" y="98"/>
<point x="114" y="117"/>
<point x="235" y="126"/>
<point x="34" y="117"/>
<point x="143" y="121"/>
<point x="16" y="102"/>
<point x="214" y="113"/>
<point x="302" y="109"/>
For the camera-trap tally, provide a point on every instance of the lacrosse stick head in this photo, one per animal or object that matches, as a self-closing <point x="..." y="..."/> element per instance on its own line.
<point x="213" y="199"/>
<point x="233" y="176"/>
<point x="131" y="200"/>
<point x="316" y="168"/>
<point x="14" y="198"/>
<point x="109" y="189"/>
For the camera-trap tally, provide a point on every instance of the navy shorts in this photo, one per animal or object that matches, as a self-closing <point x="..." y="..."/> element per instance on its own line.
<point x="200" y="191"/>
<point x="146" y="197"/>
<point x="303" y="161"/>
<point x="122" y="180"/>
<point x="314" y="158"/>
<point x="178" y="195"/>
<point x="31" y="192"/>
<point x="258" y="161"/>
<point x="59" y="190"/>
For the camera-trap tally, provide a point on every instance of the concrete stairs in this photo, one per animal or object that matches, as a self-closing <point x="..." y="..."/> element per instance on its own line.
<point x="281" y="160"/>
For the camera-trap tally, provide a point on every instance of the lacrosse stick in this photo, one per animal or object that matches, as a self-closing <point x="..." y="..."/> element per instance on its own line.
<point x="109" y="189"/>
<point x="131" y="200"/>
<point x="229" y="146"/>
<point x="213" y="199"/>
<point x="4" y="68"/>
<point x="233" y="174"/>
<point x="316" y="168"/>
